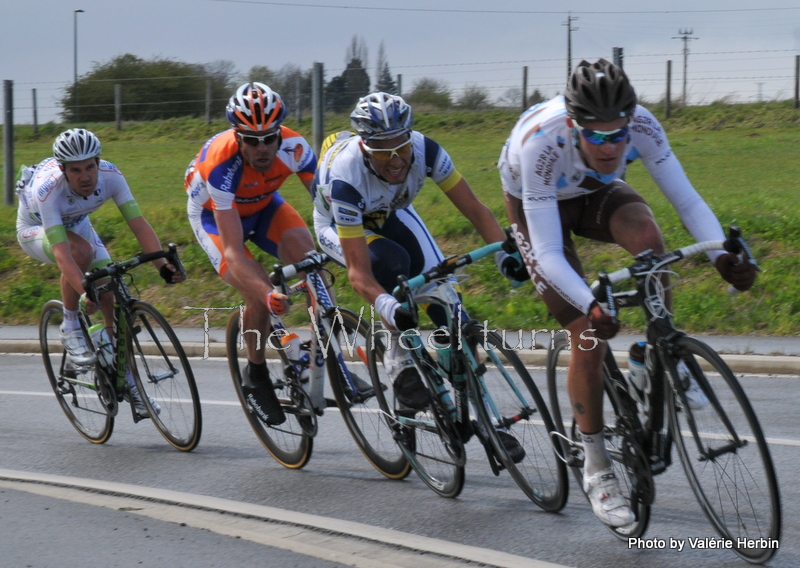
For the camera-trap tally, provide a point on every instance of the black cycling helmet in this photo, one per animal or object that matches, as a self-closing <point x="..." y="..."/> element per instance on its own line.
<point x="599" y="91"/>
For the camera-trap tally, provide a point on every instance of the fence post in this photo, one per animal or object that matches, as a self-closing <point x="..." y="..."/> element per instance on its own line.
<point x="318" y="106"/>
<point x="399" y="84"/>
<point x="35" y="115"/>
<point x="118" y="105"/>
<point x="524" y="87"/>
<point x="208" y="101"/>
<point x="297" y="101"/>
<point x="667" y="102"/>
<point x="8" y="139"/>
<point x="796" y="81"/>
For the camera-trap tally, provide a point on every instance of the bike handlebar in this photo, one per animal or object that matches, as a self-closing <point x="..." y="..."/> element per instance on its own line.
<point x="314" y="261"/>
<point x="646" y="261"/>
<point x="123" y="266"/>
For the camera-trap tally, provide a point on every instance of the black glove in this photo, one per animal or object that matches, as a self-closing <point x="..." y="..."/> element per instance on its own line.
<point x="605" y="326"/>
<point x="741" y="274"/>
<point x="404" y="319"/>
<point x="166" y="273"/>
<point x="514" y="269"/>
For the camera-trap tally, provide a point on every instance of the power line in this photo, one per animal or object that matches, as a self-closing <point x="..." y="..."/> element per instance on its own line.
<point x="509" y="12"/>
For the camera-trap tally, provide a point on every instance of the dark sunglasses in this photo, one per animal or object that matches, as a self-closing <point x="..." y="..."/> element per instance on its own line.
<point x="253" y="141"/>
<point x="598" y="137"/>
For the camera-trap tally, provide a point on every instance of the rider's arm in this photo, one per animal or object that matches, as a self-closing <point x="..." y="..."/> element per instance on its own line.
<point x="478" y="214"/>
<point x="359" y="268"/>
<point x="651" y="144"/>
<point x="150" y="242"/>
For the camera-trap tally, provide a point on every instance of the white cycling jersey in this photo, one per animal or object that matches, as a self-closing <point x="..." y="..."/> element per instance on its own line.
<point x="540" y="165"/>
<point x="349" y="195"/>
<point x="46" y="200"/>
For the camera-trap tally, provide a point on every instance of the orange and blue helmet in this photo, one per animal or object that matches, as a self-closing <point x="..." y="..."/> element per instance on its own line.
<point x="255" y="108"/>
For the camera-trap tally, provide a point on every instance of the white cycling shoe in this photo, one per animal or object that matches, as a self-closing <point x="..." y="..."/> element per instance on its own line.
<point x="77" y="348"/>
<point x="694" y="394"/>
<point x="605" y="496"/>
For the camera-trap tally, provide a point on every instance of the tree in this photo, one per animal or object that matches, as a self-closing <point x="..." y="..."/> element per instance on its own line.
<point x="262" y="74"/>
<point x="155" y="89"/>
<point x="385" y="82"/>
<point x="432" y="92"/>
<point x="343" y="91"/>
<point x="474" y="97"/>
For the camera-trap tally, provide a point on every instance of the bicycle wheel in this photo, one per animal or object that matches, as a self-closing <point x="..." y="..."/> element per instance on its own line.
<point x="76" y="388"/>
<point x="162" y="373"/>
<point x="289" y="443"/>
<point x="428" y="438"/>
<point x="363" y="417"/>
<point x="506" y="397"/>
<point x="727" y="462"/>
<point x="619" y="443"/>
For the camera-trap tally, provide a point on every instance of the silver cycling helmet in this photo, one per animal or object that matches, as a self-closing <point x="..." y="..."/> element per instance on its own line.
<point x="254" y="107"/>
<point x="599" y="91"/>
<point x="75" y="145"/>
<point x="381" y="116"/>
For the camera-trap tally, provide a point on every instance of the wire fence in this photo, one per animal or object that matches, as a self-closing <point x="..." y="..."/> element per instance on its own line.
<point x="732" y="76"/>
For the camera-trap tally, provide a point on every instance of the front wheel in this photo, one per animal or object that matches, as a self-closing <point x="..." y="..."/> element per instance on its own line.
<point x="724" y="454"/>
<point x="428" y="437"/>
<point x="362" y="414"/>
<point x="290" y="443"/>
<point x="628" y="460"/>
<point x="79" y="390"/>
<point x="509" y="404"/>
<point x="164" y="377"/>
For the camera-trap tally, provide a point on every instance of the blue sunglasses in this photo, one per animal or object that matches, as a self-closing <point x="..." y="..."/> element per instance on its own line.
<point x="598" y="137"/>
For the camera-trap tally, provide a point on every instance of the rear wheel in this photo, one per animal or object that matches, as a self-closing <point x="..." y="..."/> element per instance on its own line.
<point x="511" y="403"/>
<point x="362" y="415"/>
<point x="629" y="464"/>
<point x="428" y="437"/>
<point x="84" y="393"/>
<point x="724" y="454"/>
<point x="164" y="378"/>
<point x="290" y="443"/>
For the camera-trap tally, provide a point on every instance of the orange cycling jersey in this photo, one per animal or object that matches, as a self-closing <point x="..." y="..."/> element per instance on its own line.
<point x="220" y="178"/>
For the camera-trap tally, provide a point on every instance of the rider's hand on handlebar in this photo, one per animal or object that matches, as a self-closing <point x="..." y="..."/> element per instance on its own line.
<point x="170" y="274"/>
<point x="605" y="326"/>
<point x="277" y="303"/>
<point x="393" y="313"/>
<point x="740" y="274"/>
<point x="511" y="266"/>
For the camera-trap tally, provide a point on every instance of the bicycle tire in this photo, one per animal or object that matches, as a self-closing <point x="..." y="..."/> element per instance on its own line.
<point x="564" y="421"/>
<point x="363" y="418"/>
<point x="511" y="400"/>
<point x="162" y="373"/>
<point x="78" y="396"/>
<point x="288" y="443"/>
<point x="751" y="511"/>
<point x="427" y="448"/>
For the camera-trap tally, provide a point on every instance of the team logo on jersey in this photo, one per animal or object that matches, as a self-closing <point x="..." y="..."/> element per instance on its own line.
<point x="28" y="233"/>
<point x="44" y="189"/>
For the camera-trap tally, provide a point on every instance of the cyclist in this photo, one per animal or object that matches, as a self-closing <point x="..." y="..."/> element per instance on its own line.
<point x="233" y="197"/>
<point x="364" y="217"/>
<point x="561" y="172"/>
<point x="53" y="226"/>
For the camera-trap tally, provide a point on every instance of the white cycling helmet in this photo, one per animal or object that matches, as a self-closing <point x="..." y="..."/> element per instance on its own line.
<point x="255" y="108"/>
<point x="75" y="145"/>
<point x="381" y="116"/>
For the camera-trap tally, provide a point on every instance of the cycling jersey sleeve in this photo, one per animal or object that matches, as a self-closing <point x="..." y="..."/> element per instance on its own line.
<point x="667" y="172"/>
<point x="347" y="206"/>
<point x="440" y="167"/>
<point x="119" y="191"/>
<point x="540" y="171"/>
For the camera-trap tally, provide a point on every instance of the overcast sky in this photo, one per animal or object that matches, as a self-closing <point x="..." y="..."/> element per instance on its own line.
<point x="743" y="49"/>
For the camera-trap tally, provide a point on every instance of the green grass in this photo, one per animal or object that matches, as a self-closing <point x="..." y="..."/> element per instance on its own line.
<point x="742" y="159"/>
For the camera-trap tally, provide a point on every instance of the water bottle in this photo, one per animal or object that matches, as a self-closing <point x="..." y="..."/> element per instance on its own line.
<point x="102" y="343"/>
<point x="637" y="371"/>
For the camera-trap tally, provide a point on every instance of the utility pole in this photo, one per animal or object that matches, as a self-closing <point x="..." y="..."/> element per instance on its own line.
<point x="570" y="29"/>
<point x="685" y="35"/>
